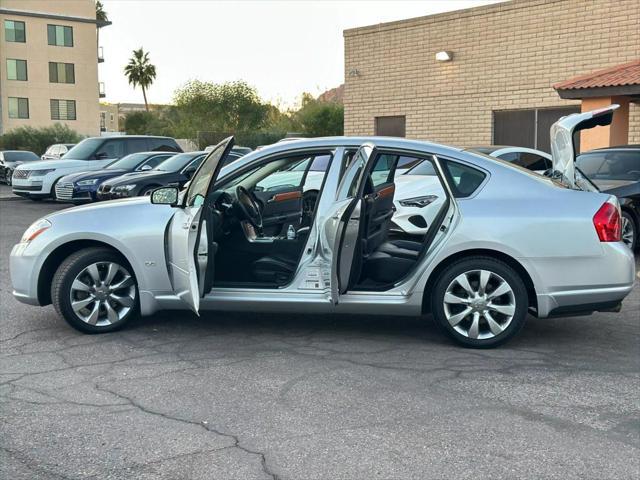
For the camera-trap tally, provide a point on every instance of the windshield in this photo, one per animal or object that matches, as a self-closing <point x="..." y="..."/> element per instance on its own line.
<point x="129" y="162"/>
<point x="20" y="156"/>
<point x="84" y="150"/>
<point x="177" y="162"/>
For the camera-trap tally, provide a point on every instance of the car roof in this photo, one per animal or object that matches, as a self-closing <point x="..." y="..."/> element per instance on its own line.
<point x="115" y="137"/>
<point x="16" y="151"/>
<point x="619" y="147"/>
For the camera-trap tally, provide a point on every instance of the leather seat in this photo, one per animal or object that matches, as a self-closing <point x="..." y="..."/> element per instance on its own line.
<point x="274" y="269"/>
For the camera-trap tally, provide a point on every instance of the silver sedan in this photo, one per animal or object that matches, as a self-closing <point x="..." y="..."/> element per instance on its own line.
<point x="504" y="242"/>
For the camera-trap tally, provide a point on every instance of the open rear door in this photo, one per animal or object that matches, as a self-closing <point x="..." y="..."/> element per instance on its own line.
<point x="343" y="225"/>
<point x="190" y="247"/>
<point x="563" y="148"/>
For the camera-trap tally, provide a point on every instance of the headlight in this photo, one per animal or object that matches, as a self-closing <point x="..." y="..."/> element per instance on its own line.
<point x="35" y="229"/>
<point x="40" y="173"/>
<point x="418" y="201"/>
<point x="125" y="188"/>
<point x="84" y="183"/>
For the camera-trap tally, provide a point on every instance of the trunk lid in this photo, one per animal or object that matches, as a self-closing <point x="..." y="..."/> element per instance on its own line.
<point x="563" y="149"/>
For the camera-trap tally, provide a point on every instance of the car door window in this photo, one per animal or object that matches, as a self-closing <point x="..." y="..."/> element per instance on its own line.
<point x="155" y="161"/>
<point x="354" y="172"/>
<point x="533" y="161"/>
<point x="383" y="169"/>
<point x="135" y="145"/>
<point x="464" y="180"/>
<point x="110" y="149"/>
<point x="510" y="157"/>
<point x="405" y="163"/>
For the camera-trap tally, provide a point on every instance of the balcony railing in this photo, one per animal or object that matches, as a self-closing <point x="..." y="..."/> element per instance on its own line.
<point x="101" y="91"/>
<point x="100" y="55"/>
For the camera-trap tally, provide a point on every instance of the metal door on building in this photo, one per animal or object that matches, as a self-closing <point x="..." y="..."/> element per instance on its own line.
<point x="527" y="128"/>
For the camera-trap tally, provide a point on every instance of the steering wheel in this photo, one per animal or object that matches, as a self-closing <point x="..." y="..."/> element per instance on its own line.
<point x="249" y="207"/>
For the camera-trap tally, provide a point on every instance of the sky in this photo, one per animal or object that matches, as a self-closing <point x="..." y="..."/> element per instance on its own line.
<point x="282" y="48"/>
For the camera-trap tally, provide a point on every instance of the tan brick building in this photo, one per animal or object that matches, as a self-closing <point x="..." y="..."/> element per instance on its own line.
<point x="49" y="59"/>
<point x="497" y="88"/>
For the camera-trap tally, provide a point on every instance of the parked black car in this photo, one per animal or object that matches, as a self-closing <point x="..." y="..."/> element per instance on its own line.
<point x="10" y="159"/>
<point x="176" y="170"/>
<point x="616" y="170"/>
<point x="83" y="186"/>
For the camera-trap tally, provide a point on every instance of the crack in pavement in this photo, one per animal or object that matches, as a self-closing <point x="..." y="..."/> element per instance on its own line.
<point x="203" y="425"/>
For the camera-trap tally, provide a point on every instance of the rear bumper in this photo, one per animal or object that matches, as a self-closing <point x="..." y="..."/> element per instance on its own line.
<point x="612" y="278"/>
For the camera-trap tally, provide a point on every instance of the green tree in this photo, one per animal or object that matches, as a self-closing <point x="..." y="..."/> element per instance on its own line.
<point x="140" y="71"/>
<point x="147" y="123"/>
<point x="318" y="119"/>
<point x="225" y="107"/>
<point x="38" y="139"/>
<point x="101" y="14"/>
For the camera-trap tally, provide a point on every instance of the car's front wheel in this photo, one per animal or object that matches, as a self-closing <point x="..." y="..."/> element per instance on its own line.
<point x="95" y="291"/>
<point x="481" y="302"/>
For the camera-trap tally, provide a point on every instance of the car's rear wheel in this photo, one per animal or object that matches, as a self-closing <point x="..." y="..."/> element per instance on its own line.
<point x="480" y="302"/>
<point x="94" y="290"/>
<point x="629" y="231"/>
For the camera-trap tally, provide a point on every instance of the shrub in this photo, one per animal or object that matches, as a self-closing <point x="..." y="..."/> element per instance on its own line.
<point x="38" y="139"/>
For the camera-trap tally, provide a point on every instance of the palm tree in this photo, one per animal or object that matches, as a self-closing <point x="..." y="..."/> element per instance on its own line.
<point x="140" y="71"/>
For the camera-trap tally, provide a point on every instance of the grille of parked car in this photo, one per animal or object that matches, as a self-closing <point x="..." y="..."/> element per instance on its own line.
<point x="21" y="173"/>
<point x="64" y="190"/>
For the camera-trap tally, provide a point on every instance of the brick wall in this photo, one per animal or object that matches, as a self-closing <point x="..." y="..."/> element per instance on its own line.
<point x="505" y="56"/>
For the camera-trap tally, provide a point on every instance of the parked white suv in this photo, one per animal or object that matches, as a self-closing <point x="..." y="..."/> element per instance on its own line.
<point x="37" y="180"/>
<point x="56" y="151"/>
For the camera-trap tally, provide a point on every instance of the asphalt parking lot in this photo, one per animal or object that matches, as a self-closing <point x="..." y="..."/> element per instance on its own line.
<point x="287" y="396"/>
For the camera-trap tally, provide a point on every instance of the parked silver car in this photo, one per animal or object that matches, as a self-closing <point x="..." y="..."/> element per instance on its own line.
<point x="504" y="242"/>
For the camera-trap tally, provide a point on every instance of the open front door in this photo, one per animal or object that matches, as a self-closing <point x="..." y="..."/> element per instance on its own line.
<point x="342" y="228"/>
<point x="190" y="245"/>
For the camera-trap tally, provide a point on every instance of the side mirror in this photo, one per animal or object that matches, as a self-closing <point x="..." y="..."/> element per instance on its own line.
<point x="101" y="155"/>
<point x="165" y="196"/>
<point x="144" y="168"/>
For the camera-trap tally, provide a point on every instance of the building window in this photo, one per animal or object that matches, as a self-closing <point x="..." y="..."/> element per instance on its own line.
<point x="61" y="72"/>
<point x="63" y="109"/>
<point x="18" y="107"/>
<point x="60" y="36"/>
<point x="14" y="31"/>
<point x="527" y="128"/>
<point x="391" y="126"/>
<point x="16" y="69"/>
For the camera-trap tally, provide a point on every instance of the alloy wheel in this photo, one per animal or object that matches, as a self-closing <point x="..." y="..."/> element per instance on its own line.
<point x="479" y="304"/>
<point x="628" y="233"/>
<point x="103" y="293"/>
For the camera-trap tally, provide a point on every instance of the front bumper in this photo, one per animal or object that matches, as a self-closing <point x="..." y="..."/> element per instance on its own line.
<point x="37" y="187"/>
<point x="106" y="192"/>
<point x="68" y="192"/>
<point x="24" y="269"/>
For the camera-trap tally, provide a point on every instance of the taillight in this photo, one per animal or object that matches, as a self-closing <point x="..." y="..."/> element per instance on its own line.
<point x="607" y="223"/>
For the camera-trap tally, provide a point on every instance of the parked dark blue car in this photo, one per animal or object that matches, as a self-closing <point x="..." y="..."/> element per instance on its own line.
<point x="82" y="187"/>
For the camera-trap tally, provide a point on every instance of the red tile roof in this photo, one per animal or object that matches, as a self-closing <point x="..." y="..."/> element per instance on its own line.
<point x="618" y="76"/>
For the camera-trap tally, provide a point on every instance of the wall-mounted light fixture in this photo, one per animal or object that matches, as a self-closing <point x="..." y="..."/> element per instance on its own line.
<point x="444" y="56"/>
<point x="354" y="72"/>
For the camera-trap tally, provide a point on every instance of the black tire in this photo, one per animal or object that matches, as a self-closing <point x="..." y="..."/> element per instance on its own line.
<point x="626" y="215"/>
<point x="496" y="267"/>
<point x="66" y="274"/>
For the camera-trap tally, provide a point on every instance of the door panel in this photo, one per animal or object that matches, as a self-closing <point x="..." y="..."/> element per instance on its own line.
<point x="191" y="250"/>
<point x="341" y="229"/>
<point x="280" y="208"/>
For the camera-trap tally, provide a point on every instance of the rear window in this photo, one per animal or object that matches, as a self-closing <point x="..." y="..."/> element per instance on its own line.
<point x="20" y="156"/>
<point x="163" y="145"/>
<point x="608" y="165"/>
<point x="464" y="180"/>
